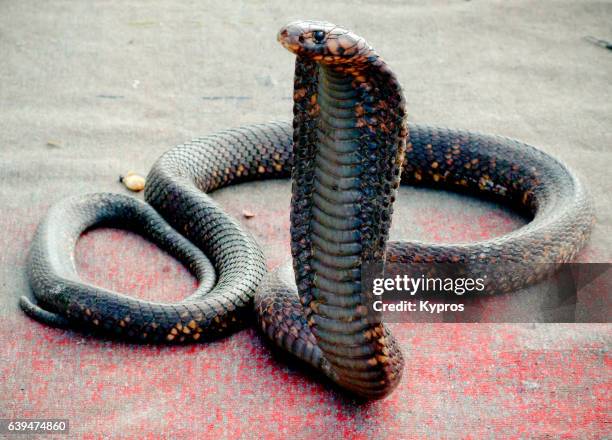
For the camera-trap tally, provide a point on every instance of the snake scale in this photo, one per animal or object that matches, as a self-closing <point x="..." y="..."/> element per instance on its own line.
<point x="346" y="151"/>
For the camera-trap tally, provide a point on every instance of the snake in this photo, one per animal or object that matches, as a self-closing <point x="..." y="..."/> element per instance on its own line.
<point x="347" y="150"/>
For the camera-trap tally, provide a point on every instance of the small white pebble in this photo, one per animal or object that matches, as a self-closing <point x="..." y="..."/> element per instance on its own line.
<point x="133" y="182"/>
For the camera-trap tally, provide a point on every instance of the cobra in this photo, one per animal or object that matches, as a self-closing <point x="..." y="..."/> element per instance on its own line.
<point x="347" y="150"/>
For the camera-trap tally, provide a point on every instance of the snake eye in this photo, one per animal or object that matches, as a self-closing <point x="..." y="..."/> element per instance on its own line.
<point x="318" y="36"/>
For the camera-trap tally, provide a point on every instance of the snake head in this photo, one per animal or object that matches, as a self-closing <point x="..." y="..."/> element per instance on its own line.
<point x="325" y="43"/>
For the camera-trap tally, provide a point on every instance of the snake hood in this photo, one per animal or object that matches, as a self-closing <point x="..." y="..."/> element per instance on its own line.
<point x="349" y="135"/>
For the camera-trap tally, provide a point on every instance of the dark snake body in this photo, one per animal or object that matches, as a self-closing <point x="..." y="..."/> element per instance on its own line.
<point x="344" y="152"/>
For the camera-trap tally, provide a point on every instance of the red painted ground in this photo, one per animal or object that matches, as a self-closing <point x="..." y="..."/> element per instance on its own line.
<point x="467" y="381"/>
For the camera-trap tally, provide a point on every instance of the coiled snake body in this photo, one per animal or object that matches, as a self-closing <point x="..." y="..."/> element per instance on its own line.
<point x="346" y="148"/>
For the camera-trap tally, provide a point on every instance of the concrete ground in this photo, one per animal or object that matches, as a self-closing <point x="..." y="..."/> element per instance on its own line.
<point x="89" y="90"/>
